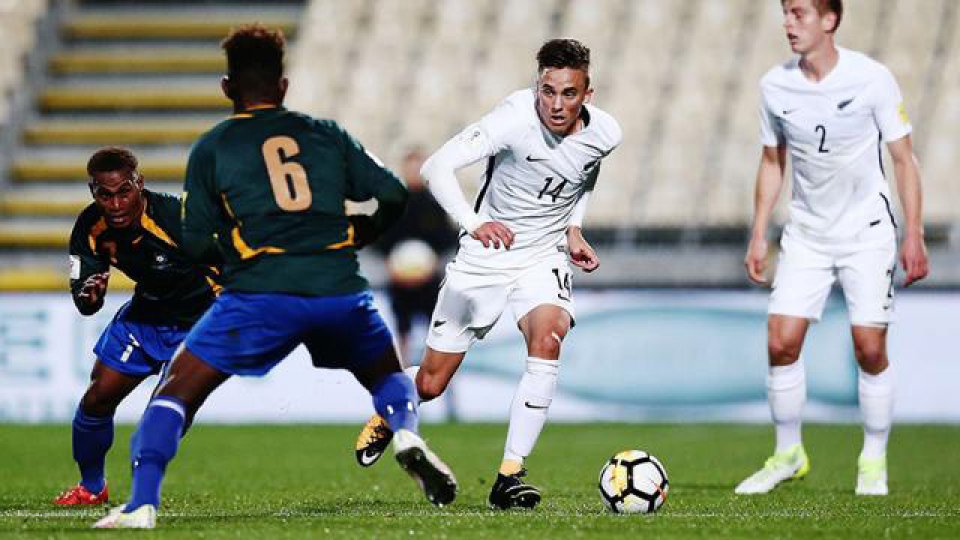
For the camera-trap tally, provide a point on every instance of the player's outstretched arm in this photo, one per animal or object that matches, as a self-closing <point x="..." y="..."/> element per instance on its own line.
<point x="89" y="272"/>
<point x="439" y="173"/>
<point x="766" y="193"/>
<point x="913" y="250"/>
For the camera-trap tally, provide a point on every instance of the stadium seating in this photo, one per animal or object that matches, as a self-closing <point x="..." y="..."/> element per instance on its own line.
<point x="680" y="75"/>
<point x="137" y="74"/>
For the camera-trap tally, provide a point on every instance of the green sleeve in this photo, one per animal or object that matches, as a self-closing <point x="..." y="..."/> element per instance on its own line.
<point x="201" y="213"/>
<point x="367" y="178"/>
<point x="84" y="262"/>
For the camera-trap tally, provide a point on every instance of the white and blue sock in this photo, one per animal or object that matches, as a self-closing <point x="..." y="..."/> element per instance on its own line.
<point x="156" y="442"/>
<point x="92" y="438"/>
<point x="395" y="399"/>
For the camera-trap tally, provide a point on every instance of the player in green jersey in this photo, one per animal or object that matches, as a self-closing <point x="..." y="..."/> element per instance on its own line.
<point x="264" y="196"/>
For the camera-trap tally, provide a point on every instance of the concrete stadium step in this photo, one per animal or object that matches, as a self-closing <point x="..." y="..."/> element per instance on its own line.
<point x="114" y="98"/>
<point x="188" y="25"/>
<point x="141" y="131"/>
<point x="35" y="234"/>
<point x="71" y="167"/>
<point x="152" y="60"/>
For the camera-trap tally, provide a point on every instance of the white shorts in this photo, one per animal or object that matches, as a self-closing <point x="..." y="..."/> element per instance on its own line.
<point x="865" y="266"/>
<point x="472" y="299"/>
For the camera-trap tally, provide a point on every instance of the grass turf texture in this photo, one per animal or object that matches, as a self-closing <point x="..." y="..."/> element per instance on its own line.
<point x="302" y="481"/>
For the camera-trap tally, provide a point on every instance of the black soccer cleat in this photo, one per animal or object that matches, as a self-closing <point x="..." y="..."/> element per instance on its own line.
<point x="373" y="441"/>
<point x="509" y="491"/>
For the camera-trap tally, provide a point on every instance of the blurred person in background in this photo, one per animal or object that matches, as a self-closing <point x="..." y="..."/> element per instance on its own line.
<point x="414" y="249"/>
<point x="138" y="232"/>
<point x="831" y="108"/>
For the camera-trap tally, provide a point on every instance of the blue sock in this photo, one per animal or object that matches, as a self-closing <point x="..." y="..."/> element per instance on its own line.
<point x="395" y="399"/>
<point x="156" y="442"/>
<point x="92" y="438"/>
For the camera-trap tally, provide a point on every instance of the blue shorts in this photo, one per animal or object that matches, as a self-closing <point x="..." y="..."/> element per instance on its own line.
<point x="136" y="348"/>
<point x="250" y="333"/>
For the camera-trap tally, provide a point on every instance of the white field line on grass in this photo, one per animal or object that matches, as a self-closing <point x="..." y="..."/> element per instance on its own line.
<point x="71" y="514"/>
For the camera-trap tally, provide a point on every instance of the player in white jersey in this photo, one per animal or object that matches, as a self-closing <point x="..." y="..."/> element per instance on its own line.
<point x="830" y="109"/>
<point x="543" y="148"/>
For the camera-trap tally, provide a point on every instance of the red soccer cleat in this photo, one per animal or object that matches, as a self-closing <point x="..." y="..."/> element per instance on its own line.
<point x="79" y="495"/>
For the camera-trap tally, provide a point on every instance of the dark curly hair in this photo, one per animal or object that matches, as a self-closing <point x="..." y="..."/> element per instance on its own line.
<point x="254" y="61"/>
<point x="111" y="158"/>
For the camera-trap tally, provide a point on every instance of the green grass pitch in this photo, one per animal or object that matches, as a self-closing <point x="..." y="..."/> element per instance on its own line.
<point x="302" y="482"/>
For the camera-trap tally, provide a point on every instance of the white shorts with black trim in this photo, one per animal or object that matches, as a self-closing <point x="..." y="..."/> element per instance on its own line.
<point x="472" y="299"/>
<point x="865" y="266"/>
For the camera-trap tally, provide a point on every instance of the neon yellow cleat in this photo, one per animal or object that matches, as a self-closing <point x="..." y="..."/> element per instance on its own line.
<point x="872" y="476"/>
<point x="791" y="464"/>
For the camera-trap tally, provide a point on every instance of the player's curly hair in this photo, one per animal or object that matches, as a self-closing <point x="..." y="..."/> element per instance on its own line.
<point x="827" y="6"/>
<point x="254" y="60"/>
<point x="111" y="158"/>
<point x="563" y="53"/>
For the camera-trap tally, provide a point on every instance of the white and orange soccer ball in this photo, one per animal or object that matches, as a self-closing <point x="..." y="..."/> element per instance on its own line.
<point x="633" y="482"/>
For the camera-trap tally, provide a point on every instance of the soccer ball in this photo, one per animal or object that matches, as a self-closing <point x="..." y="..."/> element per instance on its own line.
<point x="633" y="482"/>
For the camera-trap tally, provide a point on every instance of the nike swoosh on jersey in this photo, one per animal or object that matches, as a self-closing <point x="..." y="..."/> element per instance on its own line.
<point x="438" y="324"/>
<point x="788" y="111"/>
<point x="843" y="104"/>
<point x="532" y="159"/>
<point x="529" y="406"/>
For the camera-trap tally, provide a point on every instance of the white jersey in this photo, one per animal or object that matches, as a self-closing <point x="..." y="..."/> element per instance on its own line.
<point x="832" y="130"/>
<point x="533" y="178"/>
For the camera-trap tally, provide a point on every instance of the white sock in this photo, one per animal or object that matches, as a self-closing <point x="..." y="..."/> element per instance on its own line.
<point x="876" y="405"/>
<point x="529" y="410"/>
<point x="787" y="393"/>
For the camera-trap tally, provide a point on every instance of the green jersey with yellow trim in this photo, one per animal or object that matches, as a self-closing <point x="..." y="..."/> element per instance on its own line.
<point x="265" y="196"/>
<point x="171" y="289"/>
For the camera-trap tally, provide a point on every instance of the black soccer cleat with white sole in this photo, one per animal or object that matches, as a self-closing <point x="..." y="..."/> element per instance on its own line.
<point x="431" y="474"/>
<point x="510" y="491"/>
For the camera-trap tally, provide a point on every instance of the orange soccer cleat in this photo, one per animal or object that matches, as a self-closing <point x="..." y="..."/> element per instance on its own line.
<point x="79" y="495"/>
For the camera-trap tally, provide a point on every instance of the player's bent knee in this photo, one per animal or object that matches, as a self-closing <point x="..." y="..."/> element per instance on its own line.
<point x="97" y="402"/>
<point x="872" y="360"/>
<point x="783" y="352"/>
<point x="546" y="345"/>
